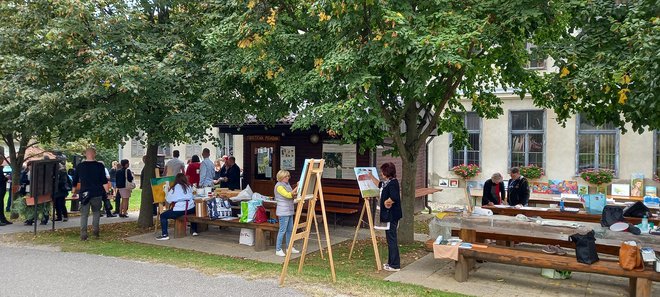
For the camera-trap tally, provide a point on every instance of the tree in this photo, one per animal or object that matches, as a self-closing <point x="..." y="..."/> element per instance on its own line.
<point x="35" y="57"/>
<point x="389" y="72"/>
<point x="143" y="77"/>
<point x="609" y="65"/>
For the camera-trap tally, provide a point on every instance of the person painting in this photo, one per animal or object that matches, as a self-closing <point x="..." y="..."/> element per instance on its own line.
<point x="390" y="212"/>
<point x="90" y="174"/>
<point x="518" y="189"/>
<point x="124" y="180"/>
<point x="494" y="191"/>
<point x="284" y="195"/>
<point x="181" y="195"/>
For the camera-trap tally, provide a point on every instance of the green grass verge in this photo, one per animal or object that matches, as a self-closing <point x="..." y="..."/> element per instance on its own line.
<point x="354" y="277"/>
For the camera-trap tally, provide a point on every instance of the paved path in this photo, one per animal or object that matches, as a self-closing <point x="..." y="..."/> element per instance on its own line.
<point x="74" y="222"/>
<point x="31" y="271"/>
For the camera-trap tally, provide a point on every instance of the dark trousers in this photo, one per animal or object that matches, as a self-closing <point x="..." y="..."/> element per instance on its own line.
<point x="117" y="201"/>
<point x="171" y="215"/>
<point x="393" y="258"/>
<point x="2" y="204"/>
<point x="60" y="207"/>
<point x="107" y="205"/>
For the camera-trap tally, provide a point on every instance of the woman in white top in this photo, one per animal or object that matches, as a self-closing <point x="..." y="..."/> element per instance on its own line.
<point x="180" y="197"/>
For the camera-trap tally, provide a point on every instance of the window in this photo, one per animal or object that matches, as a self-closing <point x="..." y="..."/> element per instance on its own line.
<point x="526" y="144"/>
<point x="226" y="145"/>
<point x="535" y="62"/>
<point x="597" y="146"/>
<point x="657" y="153"/>
<point x="193" y="149"/>
<point x="469" y="154"/>
<point x="137" y="149"/>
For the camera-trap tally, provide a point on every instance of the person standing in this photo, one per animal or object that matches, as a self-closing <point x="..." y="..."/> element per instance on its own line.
<point x="230" y="175"/>
<point x="90" y="174"/>
<point x="175" y="165"/>
<point x="217" y="174"/>
<point x="192" y="171"/>
<point x="494" y="191"/>
<point x="182" y="197"/>
<point x="285" y="210"/>
<point x="3" y="191"/>
<point x="64" y="185"/>
<point x="124" y="182"/>
<point x="206" y="170"/>
<point x="390" y="212"/>
<point x="113" y="183"/>
<point x="518" y="188"/>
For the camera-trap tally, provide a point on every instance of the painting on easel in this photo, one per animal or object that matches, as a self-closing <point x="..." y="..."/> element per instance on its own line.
<point x="367" y="186"/>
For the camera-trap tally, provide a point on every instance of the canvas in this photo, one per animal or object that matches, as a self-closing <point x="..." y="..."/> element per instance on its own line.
<point x="540" y="188"/>
<point x="475" y="184"/>
<point x="583" y="189"/>
<point x="367" y="186"/>
<point x="651" y="191"/>
<point x="453" y="183"/>
<point x="637" y="185"/>
<point x="443" y="182"/>
<point x="620" y="190"/>
<point x="558" y="187"/>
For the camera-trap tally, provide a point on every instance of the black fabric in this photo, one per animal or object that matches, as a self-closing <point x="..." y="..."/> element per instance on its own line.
<point x="91" y="176"/>
<point x="3" y="191"/>
<point x="488" y="195"/>
<point x="113" y="175"/>
<point x="120" y="179"/>
<point x="634" y="230"/>
<point x="391" y="190"/>
<point x="393" y="258"/>
<point x="611" y="214"/>
<point x="637" y="210"/>
<point x="585" y="247"/>
<point x="518" y="191"/>
<point x="233" y="175"/>
<point x="62" y="184"/>
<point x="60" y="207"/>
<point x="24" y="182"/>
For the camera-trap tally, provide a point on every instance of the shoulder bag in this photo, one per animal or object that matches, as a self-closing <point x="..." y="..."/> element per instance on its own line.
<point x="129" y="185"/>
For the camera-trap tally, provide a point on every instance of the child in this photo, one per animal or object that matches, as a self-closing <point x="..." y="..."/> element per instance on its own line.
<point x="284" y="196"/>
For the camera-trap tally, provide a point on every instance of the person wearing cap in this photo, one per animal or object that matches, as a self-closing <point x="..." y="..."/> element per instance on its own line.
<point x="518" y="189"/>
<point x="90" y="174"/>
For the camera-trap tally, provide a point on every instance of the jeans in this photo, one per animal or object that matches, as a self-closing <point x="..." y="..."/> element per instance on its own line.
<point x="393" y="258"/>
<point x="286" y="227"/>
<point x="60" y="207"/>
<point x="95" y="205"/>
<point x="171" y="214"/>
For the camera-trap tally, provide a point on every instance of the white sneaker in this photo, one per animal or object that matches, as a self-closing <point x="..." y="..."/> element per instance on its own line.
<point x="280" y="253"/>
<point x="295" y="251"/>
<point x="391" y="269"/>
<point x="195" y="234"/>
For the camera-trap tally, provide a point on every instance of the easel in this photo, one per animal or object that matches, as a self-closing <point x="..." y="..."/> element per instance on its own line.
<point x="314" y="171"/>
<point x="370" y="221"/>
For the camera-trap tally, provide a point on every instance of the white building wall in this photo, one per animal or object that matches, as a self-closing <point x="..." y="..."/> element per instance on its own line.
<point x="636" y="152"/>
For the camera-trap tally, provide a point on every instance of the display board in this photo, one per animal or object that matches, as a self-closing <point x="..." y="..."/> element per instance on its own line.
<point x="288" y="157"/>
<point x="367" y="186"/>
<point x="340" y="159"/>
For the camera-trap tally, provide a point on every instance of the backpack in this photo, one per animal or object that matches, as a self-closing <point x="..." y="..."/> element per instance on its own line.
<point x="637" y="210"/>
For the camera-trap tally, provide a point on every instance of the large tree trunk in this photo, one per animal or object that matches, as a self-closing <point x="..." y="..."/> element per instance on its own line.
<point x="16" y="159"/>
<point x="146" y="219"/>
<point x="408" y="180"/>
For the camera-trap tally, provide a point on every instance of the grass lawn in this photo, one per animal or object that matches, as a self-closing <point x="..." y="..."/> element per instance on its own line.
<point x="355" y="277"/>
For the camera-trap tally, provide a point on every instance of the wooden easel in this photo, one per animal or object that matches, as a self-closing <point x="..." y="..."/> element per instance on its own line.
<point x="370" y="221"/>
<point x="314" y="171"/>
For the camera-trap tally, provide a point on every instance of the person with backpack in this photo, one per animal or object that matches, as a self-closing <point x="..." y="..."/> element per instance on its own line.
<point x="64" y="186"/>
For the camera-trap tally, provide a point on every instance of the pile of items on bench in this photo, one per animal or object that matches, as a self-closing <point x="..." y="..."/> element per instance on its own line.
<point x="630" y="248"/>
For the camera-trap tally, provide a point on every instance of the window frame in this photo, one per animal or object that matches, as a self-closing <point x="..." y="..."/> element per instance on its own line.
<point x="596" y="132"/>
<point x="529" y="47"/>
<point x="465" y="148"/>
<point x="526" y="133"/>
<point x="134" y="153"/>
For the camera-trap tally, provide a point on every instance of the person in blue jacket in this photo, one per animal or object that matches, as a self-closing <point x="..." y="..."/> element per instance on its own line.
<point x="390" y="212"/>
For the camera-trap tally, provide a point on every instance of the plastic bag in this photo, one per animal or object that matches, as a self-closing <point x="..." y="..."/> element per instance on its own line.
<point x="244" y="212"/>
<point x="252" y="209"/>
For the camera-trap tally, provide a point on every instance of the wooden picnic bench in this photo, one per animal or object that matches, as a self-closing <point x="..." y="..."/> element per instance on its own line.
<point x="555" y="214"/>
<point x="344" y="201"/>
<point x="640" y="282"/>
<point x="260" y="229"/>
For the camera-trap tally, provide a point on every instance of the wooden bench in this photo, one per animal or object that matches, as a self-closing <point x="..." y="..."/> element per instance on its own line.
<point x="345" y="201"/>
<point x="640" y="283"/>
<point x="202" y="225"/>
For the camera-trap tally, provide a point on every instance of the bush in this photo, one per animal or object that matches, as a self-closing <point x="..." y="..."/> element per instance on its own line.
<point x="597" y="176"/>
<point x="466" y="171"/>
<point x="531" y="171"/>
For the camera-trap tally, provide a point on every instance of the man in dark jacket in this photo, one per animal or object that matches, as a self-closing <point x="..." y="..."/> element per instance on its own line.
<point x="518" y="189"/>
<point x="230" y="175"/>
<point x="64" y="185"/>
<point x="91" y="176"/>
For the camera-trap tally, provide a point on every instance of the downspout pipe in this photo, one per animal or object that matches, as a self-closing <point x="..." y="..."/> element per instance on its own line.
<point x="426" y="173"/>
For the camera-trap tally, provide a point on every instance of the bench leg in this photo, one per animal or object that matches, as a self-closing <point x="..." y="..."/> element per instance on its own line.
<point x="259" y="240"/>
<point x="179" y="229"/>
<point x="641" y="287"/>
<point x="202" y="227"/>
<point x="462" y="269"/>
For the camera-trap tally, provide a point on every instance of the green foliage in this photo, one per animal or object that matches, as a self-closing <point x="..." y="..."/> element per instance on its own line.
<point x="73" y="148"/>
<point x="609" y="64"/>
<point x="466" y="171"/>
<point x="597" y="176"/>
<point x="531" y="171"/>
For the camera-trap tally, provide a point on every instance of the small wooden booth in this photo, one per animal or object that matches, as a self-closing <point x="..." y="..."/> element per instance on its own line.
<point x="267" y="149"/>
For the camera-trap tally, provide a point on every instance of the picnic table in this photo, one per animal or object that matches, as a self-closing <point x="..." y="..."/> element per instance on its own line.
<point x="556" y="214"/>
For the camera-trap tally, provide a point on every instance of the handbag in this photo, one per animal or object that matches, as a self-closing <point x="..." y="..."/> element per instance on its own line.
<point x="260" y="215"/>
<point x="630" y="257"/>
<point x="611" y="214"/>
<point x="129" y="185"/>
<point x="218" y="208"/>
<point x="585" y="247"/>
